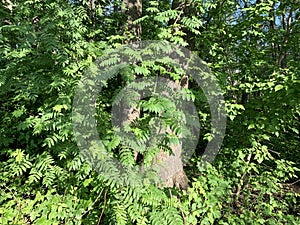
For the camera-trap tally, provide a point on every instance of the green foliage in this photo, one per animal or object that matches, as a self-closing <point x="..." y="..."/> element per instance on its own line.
<point x="251" y="46"/>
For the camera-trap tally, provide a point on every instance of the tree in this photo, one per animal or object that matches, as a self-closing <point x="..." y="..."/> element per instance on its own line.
<point x="252" y="47"/>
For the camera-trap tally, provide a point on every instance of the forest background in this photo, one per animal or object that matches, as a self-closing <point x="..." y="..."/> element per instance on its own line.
<point x="251" y="46"/>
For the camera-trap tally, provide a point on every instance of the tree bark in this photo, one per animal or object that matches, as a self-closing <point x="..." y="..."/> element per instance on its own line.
<point x="171" y="170"/>
<point x="134" y="11"/>
<point x="171" y="167"/>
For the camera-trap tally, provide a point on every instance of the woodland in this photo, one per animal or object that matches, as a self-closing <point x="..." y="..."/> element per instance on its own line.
<point x="251" y="47"/>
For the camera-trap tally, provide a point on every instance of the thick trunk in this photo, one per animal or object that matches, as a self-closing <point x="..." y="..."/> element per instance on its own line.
<point x="171" y="166"/>
<point x="171" y="169"/>
<point x="134" y="11"/>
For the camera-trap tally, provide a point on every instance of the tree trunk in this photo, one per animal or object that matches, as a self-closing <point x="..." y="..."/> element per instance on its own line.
<point x="171" y="169"/>
<point x="134" y="11"/>
<point x="171" y="166"/>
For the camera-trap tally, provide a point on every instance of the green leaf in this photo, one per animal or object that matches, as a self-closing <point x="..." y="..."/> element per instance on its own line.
<point x="278" y="87"/>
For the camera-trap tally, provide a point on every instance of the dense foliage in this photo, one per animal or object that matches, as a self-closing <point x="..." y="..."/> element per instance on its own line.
<point x="252" y="47"/>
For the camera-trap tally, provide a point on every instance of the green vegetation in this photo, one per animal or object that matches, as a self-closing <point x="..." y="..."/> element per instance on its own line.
<point x="253" y="49"/>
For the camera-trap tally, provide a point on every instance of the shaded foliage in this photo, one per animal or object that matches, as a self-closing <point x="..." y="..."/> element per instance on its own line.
<point x="251" y="46"/>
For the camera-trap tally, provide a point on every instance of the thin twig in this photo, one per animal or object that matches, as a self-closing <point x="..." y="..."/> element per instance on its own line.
<point x="17" y="201"/>
<point x="181" y="211"/>
<point x="100" y="217"/>
<point x="294" y="182"/>
<point x="90" y="207"/>
<point x="278" y="153"/>
<point x="239" y="188"/>
<point x="171" y="196"/>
